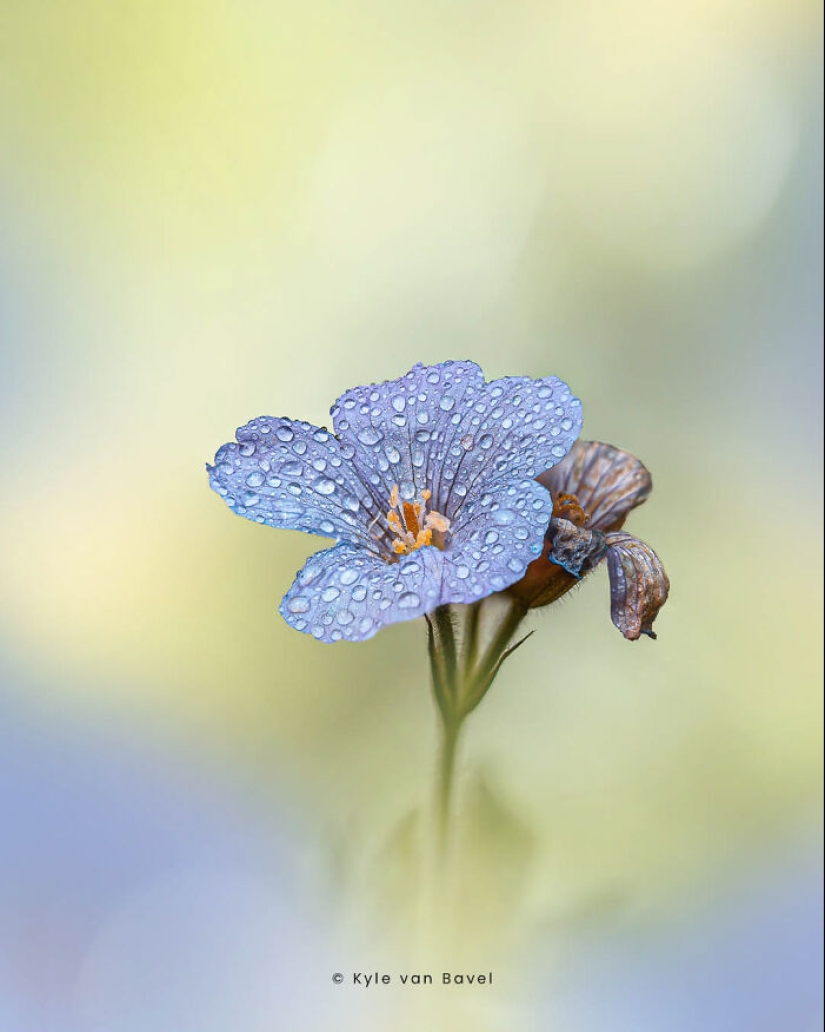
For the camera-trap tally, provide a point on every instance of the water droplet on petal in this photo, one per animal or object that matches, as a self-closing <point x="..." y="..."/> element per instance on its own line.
<point x="324" y="486"/>
<point x="348" y="576"/>
<point x="299" y="604"/>
<point x="409" y="600"/>
<point x="330" y="594"/>
<point x="283" y="433"/>
<point x="255" y="479"/>
<point x="369" y="436"/>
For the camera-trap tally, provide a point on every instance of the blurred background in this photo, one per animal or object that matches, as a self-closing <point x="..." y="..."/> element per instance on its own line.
<point x="214" y="211"/>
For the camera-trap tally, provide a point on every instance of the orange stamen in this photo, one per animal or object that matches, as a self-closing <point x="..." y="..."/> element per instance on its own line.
<point x="568" y="507"/>
<point x="411" y="513"/>
<point x="412" y="525"/>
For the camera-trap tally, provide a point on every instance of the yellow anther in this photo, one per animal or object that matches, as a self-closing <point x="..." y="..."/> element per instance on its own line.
<point x="412" y="525"/>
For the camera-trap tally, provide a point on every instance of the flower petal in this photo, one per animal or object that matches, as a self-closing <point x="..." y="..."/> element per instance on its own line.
<point x="346" y="593"/>
<point x="495" y="537"/>
<point x="608" y="482"/>
<point x="444" y="429"/>
<point x="639" y="585"/>
<point x="296" y="476"/>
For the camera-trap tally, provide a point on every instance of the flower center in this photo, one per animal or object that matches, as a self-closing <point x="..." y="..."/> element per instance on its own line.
<point x="412" y="526"/>
<point x="568" y="507"/>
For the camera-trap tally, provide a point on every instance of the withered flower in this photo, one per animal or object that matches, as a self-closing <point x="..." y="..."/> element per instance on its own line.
<point x="593" y="490"/>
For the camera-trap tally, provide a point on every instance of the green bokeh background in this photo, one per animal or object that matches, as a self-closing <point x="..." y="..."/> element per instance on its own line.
<point x="213" y="211"/>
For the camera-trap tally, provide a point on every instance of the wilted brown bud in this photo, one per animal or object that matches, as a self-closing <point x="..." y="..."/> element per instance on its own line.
<point x="594" y="488"/>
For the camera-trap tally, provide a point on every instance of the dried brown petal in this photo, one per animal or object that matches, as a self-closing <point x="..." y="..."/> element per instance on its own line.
<point x="607" y="482"/>
<point x="569" y="553"/>
<point x="576" y="549"/>
<point x="638" y="584"/>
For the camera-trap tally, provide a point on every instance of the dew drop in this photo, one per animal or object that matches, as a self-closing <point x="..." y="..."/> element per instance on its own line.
<point x="348" y="576"/>
<point x="409" y="600"/>
<point x="368" y="436"/>
<point x="324" y="486"/>
<point x="283" y="433"/>
<point x="299" y="604"/>
<point x="255" y="479"/>
<point x="330" y="594"/>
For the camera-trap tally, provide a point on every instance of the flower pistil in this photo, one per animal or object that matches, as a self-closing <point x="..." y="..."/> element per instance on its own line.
<point x="412" y="525"/>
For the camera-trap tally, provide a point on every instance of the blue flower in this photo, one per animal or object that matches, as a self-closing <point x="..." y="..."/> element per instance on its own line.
<point x="426" y="485"/>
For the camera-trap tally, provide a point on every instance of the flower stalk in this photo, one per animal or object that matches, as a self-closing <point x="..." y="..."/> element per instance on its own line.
<point x="461" y="676"/>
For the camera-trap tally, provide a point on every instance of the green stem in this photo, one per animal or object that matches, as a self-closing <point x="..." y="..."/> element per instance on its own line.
<point x="446" y="779"/>
<point x="459" y="686"/>
<point x="479" y="679"/>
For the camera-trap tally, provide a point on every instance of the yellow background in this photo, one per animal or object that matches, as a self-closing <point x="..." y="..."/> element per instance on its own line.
<point x="211" y="211"/>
